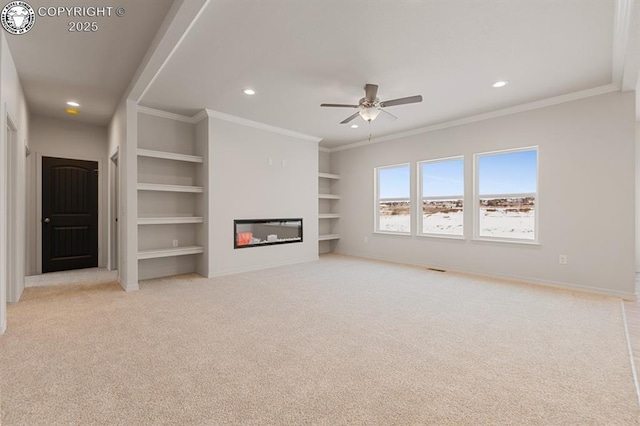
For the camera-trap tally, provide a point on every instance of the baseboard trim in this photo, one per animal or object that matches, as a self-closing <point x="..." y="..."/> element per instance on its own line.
<point x="128" y="288"/>
<point x="261" y="267"/>
<point x="630" y="349"/>
<point x="520" y="279"/>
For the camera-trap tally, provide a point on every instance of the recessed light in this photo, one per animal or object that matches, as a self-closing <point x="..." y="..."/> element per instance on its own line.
<point x="249" y="92"/>
<point x="500" y="83"/>
<point x="354" y="126"/>
<point x="73" y="104"/>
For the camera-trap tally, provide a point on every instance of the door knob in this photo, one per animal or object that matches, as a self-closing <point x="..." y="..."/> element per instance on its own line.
<point x="46" y="220"/>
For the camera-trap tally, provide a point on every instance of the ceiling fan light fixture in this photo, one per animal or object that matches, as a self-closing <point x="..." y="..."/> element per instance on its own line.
<point x="368" y="112"/>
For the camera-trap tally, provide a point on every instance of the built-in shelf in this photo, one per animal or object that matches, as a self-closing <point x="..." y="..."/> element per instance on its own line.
<point x="174" y="251"/>
<point x="168" y="188"/>
<point x="328" y="176"/>
<point x="328" y="216"/>
<point x="169" y="156"/>
<point x="329" y="196"/>
<point x="168" y="220"/>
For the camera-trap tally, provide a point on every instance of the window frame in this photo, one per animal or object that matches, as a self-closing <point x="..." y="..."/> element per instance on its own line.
<point x="376" y="200"/>
<point x="477" y="197"/>
<point x="420" y="199"/>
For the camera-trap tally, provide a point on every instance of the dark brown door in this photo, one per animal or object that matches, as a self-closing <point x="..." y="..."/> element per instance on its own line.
<point x="69" y="214"/>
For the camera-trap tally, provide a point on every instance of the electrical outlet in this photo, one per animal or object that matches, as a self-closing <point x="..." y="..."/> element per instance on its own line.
<point x="270" y="161"/>
<point x="175" y="243"/>
<point x="366" y="240"/>
<point x="284" y="163"/>
<point x="563" y="259"/>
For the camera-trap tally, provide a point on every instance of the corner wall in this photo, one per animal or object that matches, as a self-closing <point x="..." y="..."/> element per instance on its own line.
<point x="12" y="160"/>
<point x="586" y="196"/>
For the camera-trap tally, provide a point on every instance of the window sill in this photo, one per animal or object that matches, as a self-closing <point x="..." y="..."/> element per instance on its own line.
<point x="507" y="241"/>
<point x="443" y="236"/>
<point x="400" y="234"/>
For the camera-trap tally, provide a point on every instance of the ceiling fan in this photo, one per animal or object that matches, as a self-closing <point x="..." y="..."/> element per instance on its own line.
<point x="370" y="106"/>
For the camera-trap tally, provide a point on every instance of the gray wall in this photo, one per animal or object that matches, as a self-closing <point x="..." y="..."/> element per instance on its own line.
<point x="12" y="182"/>
<point x="52" y="137"/>
<point x="245" y="186"/>
<point x="586" y="196"/>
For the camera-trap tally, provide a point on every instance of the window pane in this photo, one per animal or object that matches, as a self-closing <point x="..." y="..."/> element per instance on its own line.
<point x="507" y="218"/>
<point x="393" y="197"/>
<point x="508" y="173"/>
<point x="443" y="178"/>
<point x="442" y="196"/>
<point x="442" y="217"/>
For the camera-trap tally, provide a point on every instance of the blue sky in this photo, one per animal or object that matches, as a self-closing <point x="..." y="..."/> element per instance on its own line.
<point x="443" y="178"/>
<point x="512" y="172"/>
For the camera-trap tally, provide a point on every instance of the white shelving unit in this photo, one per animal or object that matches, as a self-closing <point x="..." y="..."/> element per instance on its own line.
<point x="168" y="188"/>
<point x="169" y="252"/>
<point x="169" y="156"/>
<point x="328" y="216"/>
<point x="169" y="194"/>
<point x="328" y="237"/>
<point x="328" y="196"/>
<point x="169" y="220"/>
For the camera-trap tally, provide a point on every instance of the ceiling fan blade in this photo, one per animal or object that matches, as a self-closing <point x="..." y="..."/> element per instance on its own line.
<point x="339" y="105"/>
<point x="351" y="117"/>
<point x="389" y="114"/>
<point x="402" y="101"/>
<point x="370" y="92"/>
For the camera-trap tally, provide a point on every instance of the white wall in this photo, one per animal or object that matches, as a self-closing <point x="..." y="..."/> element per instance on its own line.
<point x="52" y="137"/>
<point x="586" y="196"/>
<point x="116" y="134"/>
<point x="637" y="196"/>
<point x="245" y="186"/>
<point x="12" y="235"/>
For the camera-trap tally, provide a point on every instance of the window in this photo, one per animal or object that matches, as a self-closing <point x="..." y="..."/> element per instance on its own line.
<point x="506" y="195"/>
<point x="393" y="202"/>
<point x="442" y="194"/>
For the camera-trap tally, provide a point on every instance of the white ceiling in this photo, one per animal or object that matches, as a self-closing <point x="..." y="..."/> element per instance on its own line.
<point x="298" y="54"/>
<point x="94" y="68"/>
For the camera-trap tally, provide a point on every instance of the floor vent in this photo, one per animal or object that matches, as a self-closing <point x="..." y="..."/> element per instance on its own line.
<point x="436" y="270"/>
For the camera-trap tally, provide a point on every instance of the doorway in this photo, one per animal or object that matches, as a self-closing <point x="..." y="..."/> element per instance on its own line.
<point x="69" y="214"/>
<point x="113" y="210"/>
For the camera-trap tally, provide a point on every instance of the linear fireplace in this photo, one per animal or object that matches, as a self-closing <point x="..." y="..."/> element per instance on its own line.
<point x="266" y="232"/>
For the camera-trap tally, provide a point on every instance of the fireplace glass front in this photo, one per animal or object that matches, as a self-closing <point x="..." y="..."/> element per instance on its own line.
<point x="265" y="232"/>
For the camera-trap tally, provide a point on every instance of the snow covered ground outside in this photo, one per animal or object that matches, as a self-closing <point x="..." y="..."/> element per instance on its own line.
<point x="499" y="223"/>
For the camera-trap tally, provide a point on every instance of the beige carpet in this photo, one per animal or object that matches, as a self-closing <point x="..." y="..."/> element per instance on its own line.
<point x="339" y="341"/>
<point x="78" y="276"/>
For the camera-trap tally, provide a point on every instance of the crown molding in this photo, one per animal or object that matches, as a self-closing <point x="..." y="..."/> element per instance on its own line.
<point x="487" y="116"/>
<point x="624" y="64"/>
<point x="164" y="114"/>
<point x="199" y="116"/>
<point x="258" y="125"/>
<point x="324" y="149"/>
